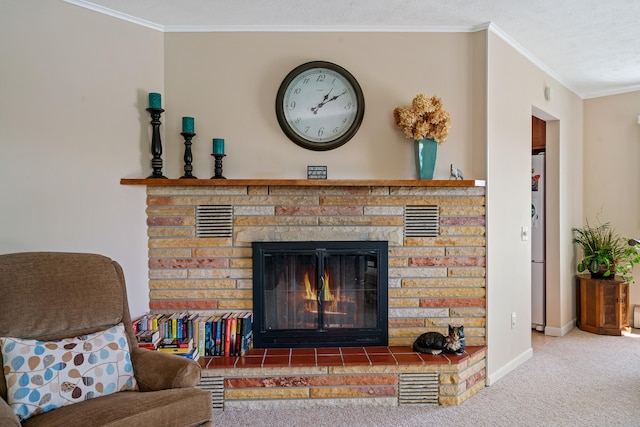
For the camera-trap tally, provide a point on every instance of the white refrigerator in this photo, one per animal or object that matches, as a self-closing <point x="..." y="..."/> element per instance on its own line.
<point x="537" y="243"/>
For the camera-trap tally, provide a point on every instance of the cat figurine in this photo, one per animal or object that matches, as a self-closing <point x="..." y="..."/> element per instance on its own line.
<point x="436" y="343"/>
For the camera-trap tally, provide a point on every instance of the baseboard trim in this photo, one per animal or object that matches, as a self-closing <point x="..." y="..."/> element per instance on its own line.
<point x="560" y="332"/>
<point x="500" y="373"/>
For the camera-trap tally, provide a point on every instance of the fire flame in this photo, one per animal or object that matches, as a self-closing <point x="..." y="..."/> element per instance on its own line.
<point x="326" y="292"/>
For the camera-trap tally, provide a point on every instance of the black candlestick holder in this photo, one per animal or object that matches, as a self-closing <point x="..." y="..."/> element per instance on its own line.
<point x="156" y="143"/>
<point x="188" y="158"/>
<point x="218" y="166"/>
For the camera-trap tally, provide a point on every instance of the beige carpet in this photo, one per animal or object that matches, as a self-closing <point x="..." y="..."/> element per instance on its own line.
<point x="580" y="379"/>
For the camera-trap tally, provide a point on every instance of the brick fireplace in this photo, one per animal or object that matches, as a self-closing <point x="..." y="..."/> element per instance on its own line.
<point x="201" y="232"/>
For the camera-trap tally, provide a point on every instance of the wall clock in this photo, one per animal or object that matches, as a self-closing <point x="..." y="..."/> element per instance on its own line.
<point x="319" y="105"/>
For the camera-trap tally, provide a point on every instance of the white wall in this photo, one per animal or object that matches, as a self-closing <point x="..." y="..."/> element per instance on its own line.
<point x="72" y="123"/>
<point x="228" y="83"/>
<point x="515" y="89"/>
<point x="611" y="171"/>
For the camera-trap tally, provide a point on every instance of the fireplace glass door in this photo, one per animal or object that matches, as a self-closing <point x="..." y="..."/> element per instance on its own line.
<point x="320" y="294"/>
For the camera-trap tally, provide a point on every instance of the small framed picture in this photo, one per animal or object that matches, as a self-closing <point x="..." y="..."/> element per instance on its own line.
<point x="316" y="172"/>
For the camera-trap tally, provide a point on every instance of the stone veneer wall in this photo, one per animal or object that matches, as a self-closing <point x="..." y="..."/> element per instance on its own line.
<point x="433" y="281"/>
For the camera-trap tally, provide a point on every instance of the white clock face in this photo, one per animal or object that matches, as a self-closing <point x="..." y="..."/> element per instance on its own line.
<point x="320" y="107"/>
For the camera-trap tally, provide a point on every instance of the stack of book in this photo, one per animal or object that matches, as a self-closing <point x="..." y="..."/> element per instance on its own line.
<point x="179" y="347"/>
<point x="227" y="334"/>
<point x="193" y="335"/>
<point x="148" y="339"/>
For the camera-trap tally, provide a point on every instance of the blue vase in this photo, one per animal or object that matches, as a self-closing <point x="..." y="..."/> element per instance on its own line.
<point x="426" y="151"/>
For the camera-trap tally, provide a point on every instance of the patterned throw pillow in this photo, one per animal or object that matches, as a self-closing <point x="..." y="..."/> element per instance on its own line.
<point x="42" y="376"/>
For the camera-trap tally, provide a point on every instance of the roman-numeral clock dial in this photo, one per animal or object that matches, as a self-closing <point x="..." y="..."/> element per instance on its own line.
<point x="319" y="106"/>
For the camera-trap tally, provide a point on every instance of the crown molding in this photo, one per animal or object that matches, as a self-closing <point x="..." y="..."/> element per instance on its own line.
<point x="528" y="55"/>
<point x="267" y="28"/>
<point x="313" y="29"/>
<point x="609" y="92"/>
<point x="114" y="13"/>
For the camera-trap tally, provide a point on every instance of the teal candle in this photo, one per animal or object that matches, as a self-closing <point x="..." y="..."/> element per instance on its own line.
<point x="187" y="124"/>
<point x="155" y="100"/>
<point x="218" y="146"/>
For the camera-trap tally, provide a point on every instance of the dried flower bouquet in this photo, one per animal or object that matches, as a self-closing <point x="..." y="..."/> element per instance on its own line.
<point x="424" y="118"/>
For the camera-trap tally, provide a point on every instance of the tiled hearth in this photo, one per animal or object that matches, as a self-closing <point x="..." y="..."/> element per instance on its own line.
<point x="336" y="356"/>
<point x="433" y="280"/>
<point x="353" y="376"/>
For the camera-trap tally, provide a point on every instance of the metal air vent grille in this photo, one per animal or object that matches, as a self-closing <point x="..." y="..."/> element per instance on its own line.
<point x="214" y="221"/>
<point x="418" y="389"/>
<point x="216" y="386"/>
<point x="421" y="221"/>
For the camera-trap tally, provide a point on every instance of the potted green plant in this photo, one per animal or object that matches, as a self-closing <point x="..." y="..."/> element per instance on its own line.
<point x="605" y="253"/>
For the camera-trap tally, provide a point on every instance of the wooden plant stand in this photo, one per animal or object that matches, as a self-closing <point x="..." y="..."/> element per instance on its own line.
<point x="603" y="305"/>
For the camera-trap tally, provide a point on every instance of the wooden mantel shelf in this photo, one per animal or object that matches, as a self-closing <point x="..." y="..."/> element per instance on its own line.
<point x="159" y="182"/>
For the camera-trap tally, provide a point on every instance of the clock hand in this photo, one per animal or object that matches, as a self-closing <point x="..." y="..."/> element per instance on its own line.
<point x="336" y="97"/>
<point x="326" y="96"/>
<point x="325" y="101"/>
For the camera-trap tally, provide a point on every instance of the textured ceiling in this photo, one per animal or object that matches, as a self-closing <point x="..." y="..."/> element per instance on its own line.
<point x="591" y="46"/>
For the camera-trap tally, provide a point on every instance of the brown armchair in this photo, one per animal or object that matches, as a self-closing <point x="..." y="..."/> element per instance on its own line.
<point x="49" y="296"/>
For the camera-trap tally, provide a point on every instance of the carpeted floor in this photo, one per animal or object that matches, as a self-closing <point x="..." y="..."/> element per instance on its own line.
<point x="580" y="379"/>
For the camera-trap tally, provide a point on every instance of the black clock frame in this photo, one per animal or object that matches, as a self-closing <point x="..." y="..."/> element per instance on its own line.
<point x="295" y="137"/>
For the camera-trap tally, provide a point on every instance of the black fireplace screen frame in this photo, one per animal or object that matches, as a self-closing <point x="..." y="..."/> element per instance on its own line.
<point x="376" y="333"/>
